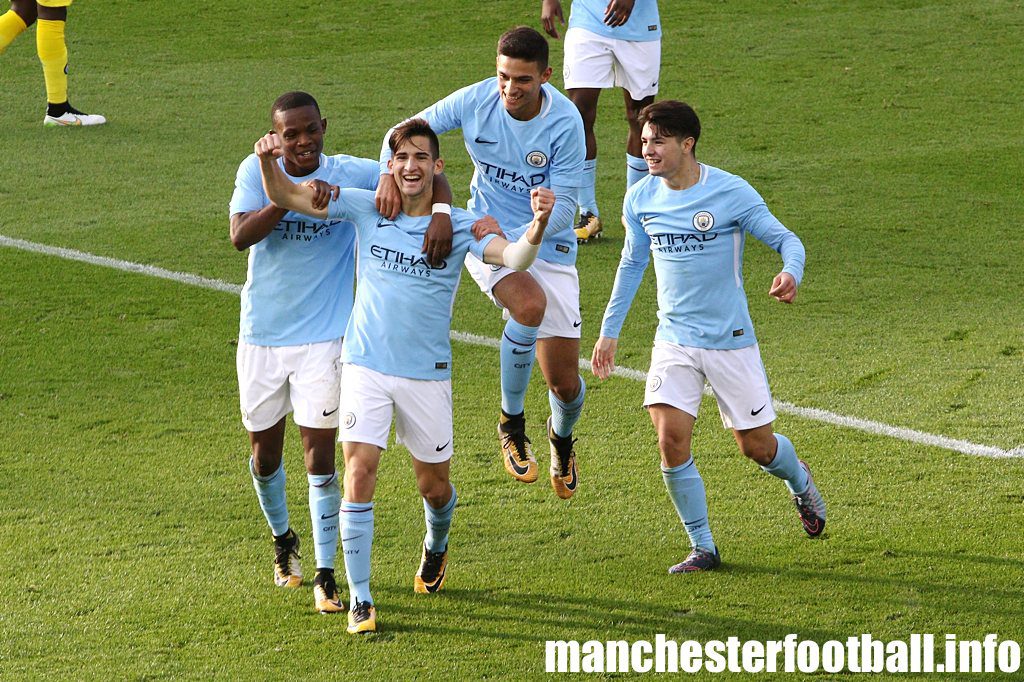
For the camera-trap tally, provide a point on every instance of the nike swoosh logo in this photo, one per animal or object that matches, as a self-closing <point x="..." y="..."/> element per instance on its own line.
<point x="329" y="516"/>
<point x="519" y="352"/>
<point x="577" y="323"/>
<point x="480" y="140"/>
<point x="439" y="448"/>
<point x="518" y="469"/>
<point x="328" y="414"/>
<point x="754" y="413"/>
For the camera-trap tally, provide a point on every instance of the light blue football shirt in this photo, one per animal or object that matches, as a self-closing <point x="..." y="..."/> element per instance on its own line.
<point x="298" y="288"/>
<point x="643" y="24"/>
<point x="402" y="316"/>
<point x="697" y="237"/>
<point x="512" y="157"/>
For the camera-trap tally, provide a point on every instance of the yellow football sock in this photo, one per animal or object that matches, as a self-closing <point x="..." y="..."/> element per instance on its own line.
<point x="53" y="53"/>
<point x="11" y="26"/>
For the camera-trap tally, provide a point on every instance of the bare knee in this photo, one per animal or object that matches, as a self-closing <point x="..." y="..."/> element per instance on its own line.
<point x="528" y="309"/>
<point x="436" y="491"/>
<point x="674" y="448"/>
<point x="26" y="10"/>
<point x="761" y="451"/>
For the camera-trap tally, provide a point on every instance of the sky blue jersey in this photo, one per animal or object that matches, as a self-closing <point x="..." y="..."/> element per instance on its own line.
<point x="643" y="23"/>
<point x="298" y="288"/>
<point x="512" y="157"/>
<point x="697" y="237"/>
<point x="403" y="308"/>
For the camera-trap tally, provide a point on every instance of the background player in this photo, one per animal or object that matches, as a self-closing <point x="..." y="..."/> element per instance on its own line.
<point x="295" y="304"/>
<point x="609" y="43"/>
<point x="397" y="352"/>
<point x="53" y="53"/>
<point x="521" y="133"/>
<point x="695" y="218"/>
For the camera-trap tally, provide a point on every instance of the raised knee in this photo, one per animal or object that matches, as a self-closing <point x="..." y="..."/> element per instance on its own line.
<point x="762" y="453"/>
<point x="529" y="310"/>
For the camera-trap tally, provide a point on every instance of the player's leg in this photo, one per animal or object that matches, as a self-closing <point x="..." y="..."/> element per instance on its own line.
<point x="589" y="224"/>
<point x="361" y="463"/>
<point x="53" y="54"/>
<point x="520" y="294"/>
<point x="745" y="405"/>
<point x="637" y="64"/>
<point x="423" y="423"/>
<point x="366" y="408"/>
<point x="675" y="387"/>
<point x="777" y="456"/>
<point x="15" y="20"/>
<point x="315" y="394"/>
<point x="264" y="401"/>
<point x="558" y="358"/>
<point x="636" y="167"/>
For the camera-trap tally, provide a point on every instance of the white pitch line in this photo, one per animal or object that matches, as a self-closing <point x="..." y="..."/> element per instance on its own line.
<point x="815" y="414"/>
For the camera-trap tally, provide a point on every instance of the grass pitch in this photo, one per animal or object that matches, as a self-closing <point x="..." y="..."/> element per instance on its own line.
<point x="886" y="135"/>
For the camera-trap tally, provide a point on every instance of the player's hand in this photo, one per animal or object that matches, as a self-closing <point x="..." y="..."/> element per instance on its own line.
<point x="783" y="288"/>
<point x="323" y="193"/>
<point x="617" y="12"/>
<point x="268" y="146"/>
<point x="542" y="200"/>
<point x="485" y="226"/>
<point x="602" y="360"/>
<point x="388" y="198"/>
<point x="550" y="10"/>
<point x="437" y="242"/>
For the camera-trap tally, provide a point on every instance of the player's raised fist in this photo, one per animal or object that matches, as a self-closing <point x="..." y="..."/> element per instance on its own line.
<point x="542" y="200"/>
<point x="268" y="146"/>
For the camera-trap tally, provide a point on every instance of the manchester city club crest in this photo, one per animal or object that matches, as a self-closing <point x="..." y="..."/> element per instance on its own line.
<point x="653" y="383"/>
<point x="703" y="221"/>
<point x="349" y="421"/>
<point x="537" y="159"/>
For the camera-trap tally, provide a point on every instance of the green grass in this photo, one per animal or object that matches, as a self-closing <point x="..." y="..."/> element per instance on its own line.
<point x="887" y="135"/>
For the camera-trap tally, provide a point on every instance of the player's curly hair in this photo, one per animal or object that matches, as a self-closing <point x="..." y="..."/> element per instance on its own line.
<point x="414" y="127"/>
<point x="672" y="118"/>
<point x="523" y="42"/>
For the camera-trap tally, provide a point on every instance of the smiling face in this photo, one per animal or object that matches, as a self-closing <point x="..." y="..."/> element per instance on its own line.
<point x="666" y="155"/>
<point x="414" y="167"/>
<point x="302" y="134"/>
<point x="519" y="83"/>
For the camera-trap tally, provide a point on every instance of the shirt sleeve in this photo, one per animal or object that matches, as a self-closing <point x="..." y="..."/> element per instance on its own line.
<point x="636" y="253"/>
<point x="759" y="222"/>
<point x="365" y="174"/>
<point x="443" y="115"/>
<point x="248" y="194"/>
<point x="568" y="152"/>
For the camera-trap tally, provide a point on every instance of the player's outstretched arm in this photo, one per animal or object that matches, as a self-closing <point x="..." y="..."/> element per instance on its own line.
<point x="783" y="288"/>
<point x="280" y="190"/>
<point x="519" y="255"/>
<point x="602" y="360"/>
<point x="551" y="11"/>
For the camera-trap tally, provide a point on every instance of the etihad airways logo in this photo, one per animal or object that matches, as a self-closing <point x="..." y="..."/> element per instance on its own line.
<point x="399" y="261"/>
<point x="674" y="242"/>
<point x="304" y="230"/>
<point x="511" y="179"/>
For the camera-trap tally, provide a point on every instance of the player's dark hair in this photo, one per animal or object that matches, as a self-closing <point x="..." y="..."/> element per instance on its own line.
<point x="672" y="118"/>
<point x="523" y="42"/>
<point x="415" y="127"/>
<point x="293" y="100"/>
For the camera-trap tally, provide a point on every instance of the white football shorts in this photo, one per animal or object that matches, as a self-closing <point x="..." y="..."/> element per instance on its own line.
<point x="593" y="61"/>
<point x="276" y="380"/>
<point x="422" y="410"/>
<point x="737" y="380"/>
<point x="561" y="285"/>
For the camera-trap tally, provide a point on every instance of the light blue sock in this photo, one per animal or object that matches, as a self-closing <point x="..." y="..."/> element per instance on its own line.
<point x="565" y="415"/>
<point x="270" y="492"/>
<point x="686" y="489"/>
<point x="324" y="501"/>
<point x="518" y="349"/>
<point x="586" y="198"/>
<point x="786" y="466"/>
<point x="636" y="169"/>
<point x="356" y="542"/>
<point x="438" y="523"/>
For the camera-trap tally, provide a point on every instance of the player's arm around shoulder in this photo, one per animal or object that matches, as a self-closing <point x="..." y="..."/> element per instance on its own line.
<point x="280" y="190"/>
<point x="252" y="217"/>
<point x="519" y="255"/>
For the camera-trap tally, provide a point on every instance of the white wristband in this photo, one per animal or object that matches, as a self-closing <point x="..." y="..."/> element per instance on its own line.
<point x="441" y="208"/>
